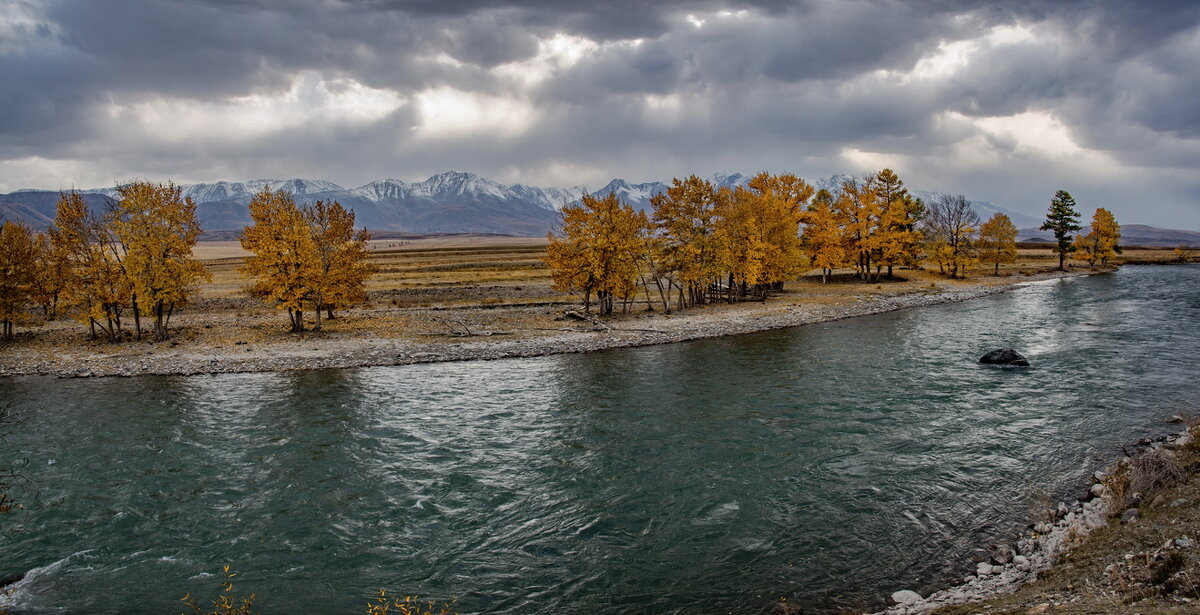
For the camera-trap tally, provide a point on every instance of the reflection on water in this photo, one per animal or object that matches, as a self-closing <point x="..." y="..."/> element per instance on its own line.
<point x="829" y="464"/>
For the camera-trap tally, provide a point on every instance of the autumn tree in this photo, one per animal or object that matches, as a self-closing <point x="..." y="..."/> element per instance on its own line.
<point x="860" y="212"/>
<point x="157" y="228"/>
<point x="341" y="258"/>
<point x="18" y="268"/>
<point x="898" y="239"/>
<point x="757" y="231"/>
<point x="1062" y="219"/>
<point x="597" y="250"/>
<point x="822" y="238"/>
<point x="684" y="216"/>
<point x="53" y="275"/>
<point x="98" y="291"/>
<point x="1102" y="241"/>
<point x="283" y="254"/>
<point x="998" y="242"/>
<point x="950" y="226"/>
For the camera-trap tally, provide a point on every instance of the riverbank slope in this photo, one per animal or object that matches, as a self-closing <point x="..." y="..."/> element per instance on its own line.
<point x="1132" y="546"/>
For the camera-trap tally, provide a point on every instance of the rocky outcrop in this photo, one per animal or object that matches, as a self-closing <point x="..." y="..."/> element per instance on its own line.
<point x="1004" y="356"/>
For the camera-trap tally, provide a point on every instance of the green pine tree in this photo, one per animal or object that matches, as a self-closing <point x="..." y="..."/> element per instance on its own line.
<point x="1063" y="219"/>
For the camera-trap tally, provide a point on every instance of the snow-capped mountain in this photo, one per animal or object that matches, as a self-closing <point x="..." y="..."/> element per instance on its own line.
<point x="450" y="202"/>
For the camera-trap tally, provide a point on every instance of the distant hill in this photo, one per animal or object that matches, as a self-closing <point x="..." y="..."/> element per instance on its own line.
<point x="457" y="202"/>
<point x="1131" y="235"/>
<point x="36" y="207"/>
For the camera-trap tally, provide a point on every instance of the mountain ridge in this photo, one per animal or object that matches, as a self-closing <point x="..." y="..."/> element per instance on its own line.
<point x="447" y="202"/>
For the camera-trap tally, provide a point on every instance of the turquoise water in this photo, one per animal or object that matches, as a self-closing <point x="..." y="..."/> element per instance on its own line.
<point x="829" y="464"/>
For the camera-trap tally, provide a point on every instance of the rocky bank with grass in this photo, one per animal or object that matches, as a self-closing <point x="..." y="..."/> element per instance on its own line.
<point x="1135" y="530"/>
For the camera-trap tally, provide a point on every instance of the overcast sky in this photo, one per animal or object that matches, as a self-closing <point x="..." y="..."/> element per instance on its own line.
<point x="1001" y="101"/>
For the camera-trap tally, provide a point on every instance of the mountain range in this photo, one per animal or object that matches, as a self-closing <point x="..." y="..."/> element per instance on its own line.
<point x="451" y="202"/>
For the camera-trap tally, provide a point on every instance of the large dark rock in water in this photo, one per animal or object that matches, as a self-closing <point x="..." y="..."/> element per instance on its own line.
<point x="1004" y="356"/>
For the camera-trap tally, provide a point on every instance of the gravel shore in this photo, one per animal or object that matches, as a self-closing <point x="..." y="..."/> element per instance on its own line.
<point x="284" y="353"/>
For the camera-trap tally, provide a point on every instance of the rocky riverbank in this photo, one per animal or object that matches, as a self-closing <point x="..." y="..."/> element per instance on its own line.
<point x="1112" y="505"/>
<point x="459" y="333"/>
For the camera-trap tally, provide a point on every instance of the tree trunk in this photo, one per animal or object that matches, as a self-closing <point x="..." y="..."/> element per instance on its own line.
<point x="160" y="329"/>
<point x="297" y="317"/>
<point x="137" y="317"/>
<point x="328" y="311"/>
<point x="317" y="312"/>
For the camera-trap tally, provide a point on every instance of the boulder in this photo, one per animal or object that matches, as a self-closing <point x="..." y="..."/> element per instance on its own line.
<point x="1004" y="356"/>
<point x="9" y="579"/>
<point x="906" y="596"/>
<point x="1002" y="555"/>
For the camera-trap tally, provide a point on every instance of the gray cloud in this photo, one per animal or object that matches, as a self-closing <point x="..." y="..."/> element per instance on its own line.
<point x="814" y="87"/>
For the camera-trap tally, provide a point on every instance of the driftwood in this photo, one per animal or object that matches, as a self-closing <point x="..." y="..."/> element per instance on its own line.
<point x="466" y="331"/>
<point x="599" y="329"/>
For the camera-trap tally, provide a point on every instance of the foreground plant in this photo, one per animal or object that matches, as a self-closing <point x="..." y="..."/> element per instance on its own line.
<point x="408" y="605"/>
<point x="225" y="603"/>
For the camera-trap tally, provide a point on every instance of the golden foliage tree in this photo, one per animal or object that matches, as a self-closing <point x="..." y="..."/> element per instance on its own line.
<point x="157" y="229"/>
<point x="1102" y="242"/>
<point x="757" y="230"/>
<point x="685" y="216"/>
<point x="823" y="239"/>
<point x="18" y="269"/>
<point x="598" y="249"/>
<point x="283" y="254"/>
<point x="341" y="258"/>
<point x="860" y="211"/>
<point x="53" y="275"/>
<point x="897" y="240"/>
<point x="99" y="291"/>
<point x="998" y="242"/>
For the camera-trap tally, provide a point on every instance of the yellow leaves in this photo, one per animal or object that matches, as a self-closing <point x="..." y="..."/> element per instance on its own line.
<point x="1101" y="242"/>
<point x="998" y="241"/>
<point x="225" y="603"/>
<point x="598" y="249"/>
<point x="157" y="229"/>
<point x="304" y="258"/>
<point x="18" y="269"/>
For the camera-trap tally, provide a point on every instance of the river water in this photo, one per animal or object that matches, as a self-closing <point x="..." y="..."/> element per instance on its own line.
<point x="829" y="465"/>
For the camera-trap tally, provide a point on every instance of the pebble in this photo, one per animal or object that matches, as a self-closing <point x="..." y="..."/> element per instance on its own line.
<point x="1130" y="515"/>
<point x="1020" y="562"/>
<point x="1183" y="543"/>
<point x="1179" y="502"/>
<point x="1098" y="490"/>
<point x="983" y="569"/>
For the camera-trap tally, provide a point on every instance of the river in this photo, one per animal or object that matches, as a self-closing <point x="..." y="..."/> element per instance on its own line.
<point x="829" y="464"/>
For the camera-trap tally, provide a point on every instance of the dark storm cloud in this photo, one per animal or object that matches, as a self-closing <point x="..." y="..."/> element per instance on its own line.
<point x="768" y="84"/>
